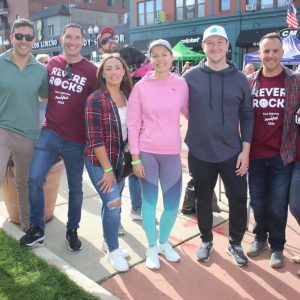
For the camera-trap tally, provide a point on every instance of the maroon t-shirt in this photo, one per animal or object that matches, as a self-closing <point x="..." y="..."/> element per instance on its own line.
<point x="67" y="97"/>
<point x="268" y="104"/>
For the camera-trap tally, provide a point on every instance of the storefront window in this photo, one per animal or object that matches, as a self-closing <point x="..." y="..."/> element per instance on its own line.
<point x="249" y="2"/>
<point x="111" y="3"/>
<point x="266" y="4"/>
<point x="190" y="9"/>
<point x="150" y="12"/>
<point x="141" y="13"/>
<point x="224" y="5"/>
<point x="281" y="3"/>
<point x="201" y="8"/>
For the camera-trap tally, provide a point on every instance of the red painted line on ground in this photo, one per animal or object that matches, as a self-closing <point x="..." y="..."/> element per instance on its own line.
<point x="219" y="230"/>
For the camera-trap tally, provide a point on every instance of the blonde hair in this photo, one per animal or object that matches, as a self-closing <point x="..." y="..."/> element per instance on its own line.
<point x="40" y="57"/>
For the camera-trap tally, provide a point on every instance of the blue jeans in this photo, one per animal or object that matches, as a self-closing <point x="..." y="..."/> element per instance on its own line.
<point x="47" y="149"/>
<point x="110" y="215"/>
<point x="135" y="192"/>
<point x="295" y="192"/>
<point x="269" y="183"/>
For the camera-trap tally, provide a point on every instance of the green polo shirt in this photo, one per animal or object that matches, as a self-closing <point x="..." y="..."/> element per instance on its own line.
<point x="19" y="95"/>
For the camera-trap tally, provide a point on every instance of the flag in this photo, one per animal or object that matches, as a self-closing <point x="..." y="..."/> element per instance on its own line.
<point x="291" y="18"/>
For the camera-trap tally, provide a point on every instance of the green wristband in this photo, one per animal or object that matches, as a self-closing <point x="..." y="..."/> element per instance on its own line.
<point x="108" y="170"/>
<point x="136" y="162"/>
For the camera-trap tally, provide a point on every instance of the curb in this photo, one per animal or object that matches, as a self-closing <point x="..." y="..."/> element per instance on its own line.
<point x="81" y="280"/>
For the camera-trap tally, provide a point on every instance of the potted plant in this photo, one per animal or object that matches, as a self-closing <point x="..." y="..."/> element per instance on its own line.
<point x="51" y="186"/>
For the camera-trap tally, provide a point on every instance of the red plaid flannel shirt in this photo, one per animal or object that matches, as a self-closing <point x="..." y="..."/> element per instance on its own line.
<point x="102" y="127"/>
<point x="292" y="102"/>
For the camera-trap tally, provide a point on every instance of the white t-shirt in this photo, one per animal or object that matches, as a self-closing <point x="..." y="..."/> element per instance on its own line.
<point x="122" y="114"/>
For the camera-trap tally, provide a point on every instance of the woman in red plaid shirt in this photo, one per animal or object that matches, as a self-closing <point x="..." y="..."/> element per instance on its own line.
<point x="105" y="115"/>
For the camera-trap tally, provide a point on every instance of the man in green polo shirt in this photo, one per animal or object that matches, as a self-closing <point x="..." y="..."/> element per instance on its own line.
<point x="23" y="80"/>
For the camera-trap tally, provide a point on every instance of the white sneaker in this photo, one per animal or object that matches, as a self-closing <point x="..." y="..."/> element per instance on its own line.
<point x="117" y="260"/>
<point x="152" y="259"/>
<point x="168" y="251"/>
<point x="136" y="214"/>
<point x="104" y="248"/>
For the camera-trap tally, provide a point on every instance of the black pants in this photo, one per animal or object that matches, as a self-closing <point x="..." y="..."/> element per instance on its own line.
<point x="205" y="176"/>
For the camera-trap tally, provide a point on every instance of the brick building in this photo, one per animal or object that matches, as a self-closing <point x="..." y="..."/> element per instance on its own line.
<point x="246" y="21"/>
<point x="50" y="16"/>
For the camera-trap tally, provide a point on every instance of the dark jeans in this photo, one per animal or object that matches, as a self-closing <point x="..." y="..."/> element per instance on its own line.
<point x="269" y="183"/>
<point x="205" y="176"/>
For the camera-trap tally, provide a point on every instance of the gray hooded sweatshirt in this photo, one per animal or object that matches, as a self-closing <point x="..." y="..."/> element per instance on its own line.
<point x="220" y="112"/>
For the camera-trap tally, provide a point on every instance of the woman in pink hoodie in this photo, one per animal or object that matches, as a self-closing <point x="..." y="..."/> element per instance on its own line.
<point x="153" y="121"/>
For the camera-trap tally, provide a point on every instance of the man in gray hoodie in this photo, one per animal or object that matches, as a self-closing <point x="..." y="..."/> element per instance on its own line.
<point x="219" y="135"/>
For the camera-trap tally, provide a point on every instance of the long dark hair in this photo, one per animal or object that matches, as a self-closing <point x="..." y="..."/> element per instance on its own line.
<point x="126" y="84"/>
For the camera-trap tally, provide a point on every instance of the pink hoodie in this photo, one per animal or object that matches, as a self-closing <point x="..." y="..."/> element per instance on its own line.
<point x="153" y="114"/>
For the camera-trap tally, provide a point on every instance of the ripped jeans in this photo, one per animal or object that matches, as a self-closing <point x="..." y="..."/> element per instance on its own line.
<point x="110" y="216"/>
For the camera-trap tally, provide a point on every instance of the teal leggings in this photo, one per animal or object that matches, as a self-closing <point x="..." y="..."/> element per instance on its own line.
<point x="166" y="169"/>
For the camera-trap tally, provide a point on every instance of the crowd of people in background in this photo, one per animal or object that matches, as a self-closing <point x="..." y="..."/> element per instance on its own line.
<point x="239" y="124"/>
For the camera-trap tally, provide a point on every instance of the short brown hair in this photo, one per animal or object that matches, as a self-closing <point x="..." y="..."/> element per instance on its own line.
<point x="272" y="35"/>
<point x="22" y="23"/>
<point x="72" y="25"/>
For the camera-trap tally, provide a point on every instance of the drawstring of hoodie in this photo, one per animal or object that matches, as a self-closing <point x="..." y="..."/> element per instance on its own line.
<point x="210" y="91"/>
<point x="223" y="117"/>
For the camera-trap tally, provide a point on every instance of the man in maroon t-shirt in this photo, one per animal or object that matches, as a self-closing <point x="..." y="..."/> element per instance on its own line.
<point x="275" y="91"/>
<point x="72" y="79"/>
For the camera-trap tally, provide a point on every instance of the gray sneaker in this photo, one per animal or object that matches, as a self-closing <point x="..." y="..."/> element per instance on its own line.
<point x="237" y="254"/>
<point x="136" y="214"/>
<point x="204" y="251"/>
<point x="277" y="259"/>
<point x="256" y="248"/>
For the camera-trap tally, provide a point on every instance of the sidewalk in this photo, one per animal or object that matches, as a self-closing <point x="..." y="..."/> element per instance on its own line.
<point x="188" y="279"/>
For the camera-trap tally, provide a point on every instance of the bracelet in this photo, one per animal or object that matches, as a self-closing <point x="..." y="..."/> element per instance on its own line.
<point x="136" y="162"/>
<point x="108" y="170"/>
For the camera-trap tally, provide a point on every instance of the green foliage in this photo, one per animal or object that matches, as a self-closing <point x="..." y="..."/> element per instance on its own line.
<point x="24" y="276"/>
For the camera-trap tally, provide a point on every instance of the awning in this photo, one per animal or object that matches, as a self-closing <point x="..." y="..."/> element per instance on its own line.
<point x="251" y="37"/>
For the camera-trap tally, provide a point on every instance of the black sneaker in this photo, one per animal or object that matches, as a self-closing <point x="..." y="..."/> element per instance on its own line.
<point x="74" y="244"/>
<point x="238" y="256"/>
<point x="204" y="251"/>
<point x="34" y="237"/>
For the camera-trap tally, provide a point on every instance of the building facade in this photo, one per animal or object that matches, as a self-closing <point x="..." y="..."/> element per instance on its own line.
<point x="49" y="23"/>
<point x="245" y="21"/>
<point x="50" y="16"/>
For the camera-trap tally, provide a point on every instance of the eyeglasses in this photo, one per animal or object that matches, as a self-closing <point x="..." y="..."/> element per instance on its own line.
<point x="20" y="36"/>
<point x="107" y="39"/>
<point x="68" y="70"/>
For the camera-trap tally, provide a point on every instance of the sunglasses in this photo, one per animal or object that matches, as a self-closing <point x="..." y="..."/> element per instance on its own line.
<point x="20" y="36"/>
<point x="107" y="39"/>
<point x="68" y="70"/>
